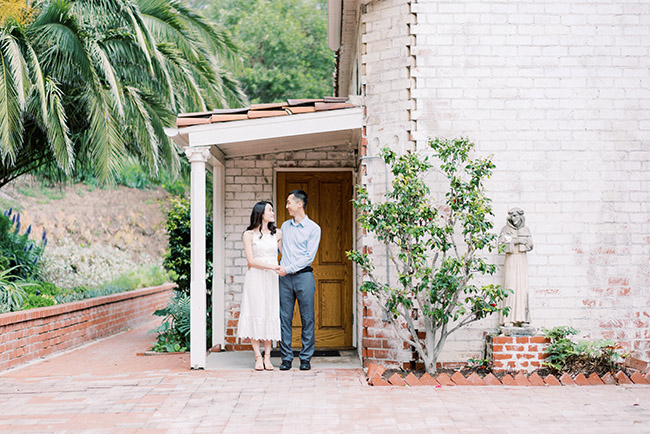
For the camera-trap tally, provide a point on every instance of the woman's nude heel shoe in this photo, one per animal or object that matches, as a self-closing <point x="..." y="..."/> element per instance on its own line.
<point x="268" y="366"/>
<point x="259" y="364"/>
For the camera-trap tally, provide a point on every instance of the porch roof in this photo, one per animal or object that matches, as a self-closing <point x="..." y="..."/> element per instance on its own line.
<point x="269" y="128"/>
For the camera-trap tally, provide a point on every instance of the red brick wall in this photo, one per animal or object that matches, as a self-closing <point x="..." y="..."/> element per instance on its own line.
<point x="516" y="353"/>
<point x="34" y="333"/>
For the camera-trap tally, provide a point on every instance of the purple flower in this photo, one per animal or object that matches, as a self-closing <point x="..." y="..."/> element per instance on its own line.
<point x="29" y="230"/>
<point x="44" y="236"/>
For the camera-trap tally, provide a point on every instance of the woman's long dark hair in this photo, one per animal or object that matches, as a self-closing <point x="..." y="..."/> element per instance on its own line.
<point x="256" y="218"/>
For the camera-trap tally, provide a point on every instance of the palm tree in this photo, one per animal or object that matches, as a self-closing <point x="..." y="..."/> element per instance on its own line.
<point x="88" y="82"/>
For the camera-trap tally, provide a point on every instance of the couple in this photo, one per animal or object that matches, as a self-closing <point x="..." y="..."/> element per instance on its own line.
<point x="268" y="300"/>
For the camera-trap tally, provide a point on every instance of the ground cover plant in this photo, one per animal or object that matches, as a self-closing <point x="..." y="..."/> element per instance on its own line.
<point x="436" y="246"/>
<point x="584" y="356"/>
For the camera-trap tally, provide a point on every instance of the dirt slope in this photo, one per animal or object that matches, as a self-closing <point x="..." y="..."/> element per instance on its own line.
<point x="120" y="223"/>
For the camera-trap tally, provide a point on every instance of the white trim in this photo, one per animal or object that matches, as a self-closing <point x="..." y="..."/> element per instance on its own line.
<point x="198" y="158"/>
<point x="270" y="128"/>
<point x="218" y="257"/>
<point x="314" y="169"/>
<point x="334" y="8"/>
<point x="218" y="155"/>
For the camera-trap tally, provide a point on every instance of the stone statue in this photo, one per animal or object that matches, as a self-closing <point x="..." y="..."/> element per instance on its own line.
<point x="516" y="239"/>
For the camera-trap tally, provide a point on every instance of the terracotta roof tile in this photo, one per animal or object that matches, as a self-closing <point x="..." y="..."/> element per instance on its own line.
<point x="291" y="107"/>
<point x="310" y="101"/>
<point x="270" y="106"/>
<point x="254" y="114"/>
<point x="185" y="122"/>
<point x="228" y="117"/>
<point x="301" y="109"/>
<point x="321" y="106"/>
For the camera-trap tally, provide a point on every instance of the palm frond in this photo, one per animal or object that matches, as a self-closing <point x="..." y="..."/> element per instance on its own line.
<point x="140" y="123"/>
<point x="181" y="72"/>
<point x="106" y="68"/>
<point x="104" y="136"/>
<point x="57" y="127"/>
<point x="12" y="99"/>
<point x="144" y="40"/>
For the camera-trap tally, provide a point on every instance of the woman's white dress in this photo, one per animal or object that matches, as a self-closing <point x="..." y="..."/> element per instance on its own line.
<point x="259" y="317"/>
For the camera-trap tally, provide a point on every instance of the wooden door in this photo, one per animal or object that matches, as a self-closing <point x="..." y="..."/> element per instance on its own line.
<point x="329" y="205"/>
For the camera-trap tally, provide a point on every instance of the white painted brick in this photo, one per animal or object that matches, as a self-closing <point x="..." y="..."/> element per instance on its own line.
<point x="558" y="91"/>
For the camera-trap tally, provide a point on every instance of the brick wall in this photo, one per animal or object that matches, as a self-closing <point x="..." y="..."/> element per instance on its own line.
<point x="558" y="92"/>
<point x="249" y="180"/>
<point x="516" y="353"/>
<point x="386" y="60"/>
<point x="34" y="333"/>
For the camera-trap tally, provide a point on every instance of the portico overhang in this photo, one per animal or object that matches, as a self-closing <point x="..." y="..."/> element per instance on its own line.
<point x="274" y="134"/>
<point x="209" y="140"/>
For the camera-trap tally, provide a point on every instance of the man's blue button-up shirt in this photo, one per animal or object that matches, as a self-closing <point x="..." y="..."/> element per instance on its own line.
<point x="299" y="244"/>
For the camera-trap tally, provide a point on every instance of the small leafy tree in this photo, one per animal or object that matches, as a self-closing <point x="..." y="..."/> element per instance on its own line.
<point x="435" y="247"/>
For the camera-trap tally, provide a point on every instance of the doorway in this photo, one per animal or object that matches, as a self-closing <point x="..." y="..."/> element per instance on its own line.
<point x="329" y="205"/>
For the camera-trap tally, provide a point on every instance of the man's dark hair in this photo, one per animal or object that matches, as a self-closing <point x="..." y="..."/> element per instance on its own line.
<point x="301" y="196"/>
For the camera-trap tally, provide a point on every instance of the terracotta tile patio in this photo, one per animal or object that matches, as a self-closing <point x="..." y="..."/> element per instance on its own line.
<point x="106" y="387"/>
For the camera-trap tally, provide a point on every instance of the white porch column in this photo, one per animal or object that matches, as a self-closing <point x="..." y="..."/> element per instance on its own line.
<point x="197" y="157"/>
<point x="218" y="250"/>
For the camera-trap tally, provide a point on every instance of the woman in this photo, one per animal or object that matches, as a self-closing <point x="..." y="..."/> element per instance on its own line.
<point x="259" y="318"/>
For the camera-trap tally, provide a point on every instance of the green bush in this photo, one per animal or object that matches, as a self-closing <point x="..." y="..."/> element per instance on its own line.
<point x="17" y="250"/>
<point x="40" y="294"/>
<point x="177" y="258"/>
<point x="565" y="355"/>
<point x="33" y="301"/>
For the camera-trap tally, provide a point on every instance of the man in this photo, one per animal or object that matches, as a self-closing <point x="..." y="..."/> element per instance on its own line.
<point x="300" y="239"/>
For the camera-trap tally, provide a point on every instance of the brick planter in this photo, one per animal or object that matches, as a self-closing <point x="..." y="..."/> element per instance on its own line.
<point x="516" y="353"/>
<point x="34" y="333"/>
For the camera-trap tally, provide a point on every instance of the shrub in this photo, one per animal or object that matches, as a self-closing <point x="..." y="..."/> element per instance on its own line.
<point x="33" y="301"/>
<point x="40" y="294"/>
<point x="174" y="332"/>
<point x="565" y="355"/>
<point x="17" y="250"/>
<point x="177" y="258"/>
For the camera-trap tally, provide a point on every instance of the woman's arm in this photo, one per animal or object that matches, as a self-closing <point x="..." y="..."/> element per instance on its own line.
<point x="248" y="250"/>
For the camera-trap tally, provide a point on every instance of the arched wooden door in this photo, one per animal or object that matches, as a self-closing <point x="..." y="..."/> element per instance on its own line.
<point x="330" y="195"/>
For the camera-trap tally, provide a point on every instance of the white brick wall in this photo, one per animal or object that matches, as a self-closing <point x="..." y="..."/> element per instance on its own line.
<point x="559" y="93"/>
